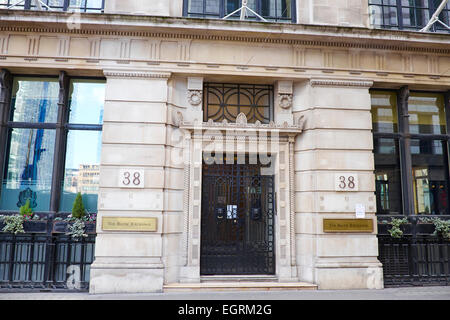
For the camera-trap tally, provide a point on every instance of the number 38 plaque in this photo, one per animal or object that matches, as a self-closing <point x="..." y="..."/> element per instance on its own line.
<point x="131" y="178"/>
<point x="346" y="182"/>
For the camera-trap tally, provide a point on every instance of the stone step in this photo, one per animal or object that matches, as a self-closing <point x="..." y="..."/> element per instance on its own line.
<point x="238" y="286"/>
<point x="237" y="278"/>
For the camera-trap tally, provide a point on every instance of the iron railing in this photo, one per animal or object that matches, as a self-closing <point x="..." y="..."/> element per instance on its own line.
<point x="45" y="261"/>
<point x="423" y="260"/>
<point x="418" y="257"/>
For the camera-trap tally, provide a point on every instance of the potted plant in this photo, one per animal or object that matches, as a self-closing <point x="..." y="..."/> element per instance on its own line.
<point x="441" y="227"/>
<point x="398" y="227"/>
<point x="31" y="221"/>
<point x="395" y="227"/>
<point x="25" y="221"/>
<point x="79" y="223"/>
<point x="424" y="226"/>
<point x="382" y="227"/>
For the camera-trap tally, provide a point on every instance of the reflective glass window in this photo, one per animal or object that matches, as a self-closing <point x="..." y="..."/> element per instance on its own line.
<point x="407" y="14"/>
<point x="31" y="144"/>
<point x="29" y="169"/>
<point x="86" y="101"/>
<point x="426" y="113"/>
<point x="35" y="100"/>
<point x="82" y="169"/>
<point x="387" y="176"/>
<point x="384" y="111"/>
<point x="270" y="10"/>
<point x="430" y="176"/>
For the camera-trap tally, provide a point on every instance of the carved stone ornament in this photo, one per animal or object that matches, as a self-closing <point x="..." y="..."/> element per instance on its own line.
<point x="301" y="122"/>
<point x="285" y="100"/>
<point x="242" y="124"/>
<point x="178" y="119"/>
<point x="241" y="119"/>
<point x="195" y="97"/>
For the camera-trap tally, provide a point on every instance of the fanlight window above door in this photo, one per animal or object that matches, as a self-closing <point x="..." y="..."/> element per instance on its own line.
<point x="227" y="101"/>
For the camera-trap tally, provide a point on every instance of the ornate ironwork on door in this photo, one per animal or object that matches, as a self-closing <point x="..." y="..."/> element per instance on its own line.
<point x="237" y="234"/>
<point x="225" y="101"/>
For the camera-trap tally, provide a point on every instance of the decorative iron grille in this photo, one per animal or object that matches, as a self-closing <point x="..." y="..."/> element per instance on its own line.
<point x="226" y="101"/>
<point x="237" y="220"/>
<point x="414" y="260"/>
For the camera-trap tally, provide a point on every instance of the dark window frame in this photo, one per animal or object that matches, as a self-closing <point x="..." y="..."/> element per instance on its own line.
<point x="414" y="9"/>
<point x="27" y="5"/>
<point x="404" y="138"/>
<point x="223" y="12"/>
<point x="61" y="127"/>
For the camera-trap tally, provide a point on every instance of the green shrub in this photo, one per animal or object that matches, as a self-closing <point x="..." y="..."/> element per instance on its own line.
<point x="78" y="210"/>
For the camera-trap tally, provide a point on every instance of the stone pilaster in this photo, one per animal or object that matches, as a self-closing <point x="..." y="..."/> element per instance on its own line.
<point x="133" y="139"/>
<point x="337" y="139"/>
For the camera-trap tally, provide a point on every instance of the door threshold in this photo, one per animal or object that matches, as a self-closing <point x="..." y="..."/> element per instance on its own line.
<point x="238" y="286"/>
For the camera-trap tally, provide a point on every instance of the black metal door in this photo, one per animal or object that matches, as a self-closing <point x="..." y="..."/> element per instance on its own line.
<point x="237" y="235"/>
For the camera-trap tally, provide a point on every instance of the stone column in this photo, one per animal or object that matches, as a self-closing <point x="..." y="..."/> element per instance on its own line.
<point x="337" y="140"/>
<point x="134" y="139"/>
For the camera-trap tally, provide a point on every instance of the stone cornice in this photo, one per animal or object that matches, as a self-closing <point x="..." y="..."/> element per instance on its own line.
<point x="241" y="124"/>
<point x="218" y="30"/>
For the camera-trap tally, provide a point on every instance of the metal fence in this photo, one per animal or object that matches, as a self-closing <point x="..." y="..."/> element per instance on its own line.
<point x="415" y="260"/>
<point x="56" y="261"/>
<point x="41" y="261"/>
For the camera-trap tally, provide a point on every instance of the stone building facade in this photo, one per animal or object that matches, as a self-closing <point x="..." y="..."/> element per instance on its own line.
<point x="160" y="66"/>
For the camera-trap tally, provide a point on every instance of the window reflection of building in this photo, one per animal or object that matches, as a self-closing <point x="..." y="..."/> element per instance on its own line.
<point x="421" y="190"/>
<point x="31" y="151"/>
<point x="423" y="160"/>
<point x="71" y="180"/>
<point x="56" y="5"/>
<point x="28" y="166"/>
<point x="407" y="14"/>
<point x="83" y="143"/>
<point x="88" y="178"/>
<point x="386" y="153"/>
<point x="387" y="173"/>
<point x="382" y="190"/>
<point x="271" y="10"/>
<point x="85" y="179"/>
<point x="430" y="169"/>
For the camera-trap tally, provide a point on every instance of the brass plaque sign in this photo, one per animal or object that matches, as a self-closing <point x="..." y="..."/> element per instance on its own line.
<point x="142" y="224"/>
<point x="348" y="225"/>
